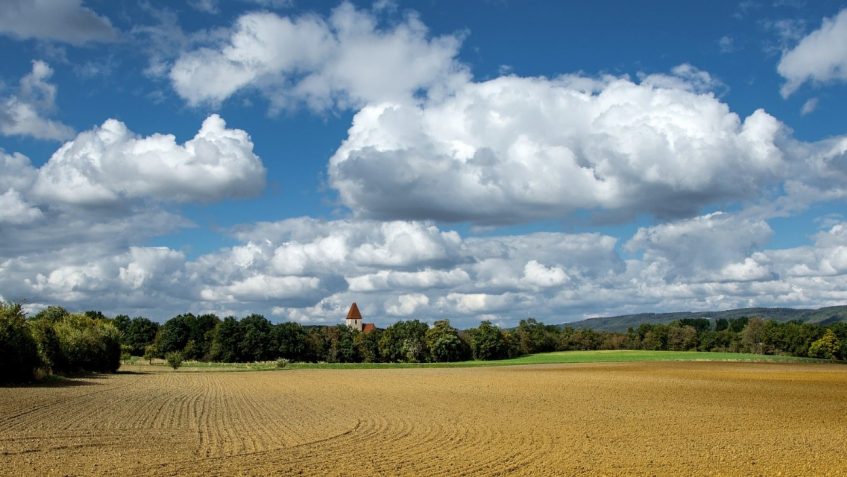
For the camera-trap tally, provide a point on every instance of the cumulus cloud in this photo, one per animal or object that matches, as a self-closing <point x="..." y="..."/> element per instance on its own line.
<point x="14" y="210"/>
<point x="110" y="163"/>
<point x="517" y="149"/>
<point x="406" y="305"/>
<point x="60" y="20"/>
<point x="23" y="114"/>
<point x="819" y="57"/>
<point x="700" y="247"/>
<point x="16" y="178"/>
<point x="344" y="60"/>
<point x="555" y="277"/>
<point x="262" y="288"/>
<point x="70" y="230"/>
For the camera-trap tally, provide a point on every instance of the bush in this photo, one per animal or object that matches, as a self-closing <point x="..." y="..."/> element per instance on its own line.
<point x="281" y="363"/>
<point x="126" y="352"/>
<point x="150" y="352"/>
<point x="826" y="347"/>
<point x="49" y="348"/>
<point x="18" y="350"/>
<point x="88" y="344"/>
<point x="174" y="359"/>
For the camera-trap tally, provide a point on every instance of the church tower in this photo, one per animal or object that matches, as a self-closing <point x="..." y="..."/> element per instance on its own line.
<point x="354" y="318"/>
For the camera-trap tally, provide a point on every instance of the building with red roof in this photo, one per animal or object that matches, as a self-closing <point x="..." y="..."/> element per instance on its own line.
<point x="354" y="320"/>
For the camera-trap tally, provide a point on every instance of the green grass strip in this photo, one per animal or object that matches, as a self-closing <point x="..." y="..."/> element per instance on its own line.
<point x="558" y="357"/>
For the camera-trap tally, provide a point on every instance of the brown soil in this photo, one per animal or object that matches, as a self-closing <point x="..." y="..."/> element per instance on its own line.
<point x="607" y="419"/>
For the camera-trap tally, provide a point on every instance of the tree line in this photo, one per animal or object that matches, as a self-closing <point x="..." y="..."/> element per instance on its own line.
<point x="254" y="338"/>
<point x="56" y="341"/>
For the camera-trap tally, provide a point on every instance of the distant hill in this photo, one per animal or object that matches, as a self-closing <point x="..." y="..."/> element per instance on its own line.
<point x="823" y="316"/>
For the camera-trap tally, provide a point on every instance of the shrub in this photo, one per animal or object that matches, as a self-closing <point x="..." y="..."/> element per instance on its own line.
<point x="281" y="363"/>
<point x="49" y="348"/>
<point x="18" y="350"/>
<point x="150" y="352"/>
<point x="174" y="359"/>
<point x="88" y="344"/>
<point x="826" y="347"/>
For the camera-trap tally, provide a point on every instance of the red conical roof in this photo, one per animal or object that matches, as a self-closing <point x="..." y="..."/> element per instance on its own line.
<point x="354" y="314"/>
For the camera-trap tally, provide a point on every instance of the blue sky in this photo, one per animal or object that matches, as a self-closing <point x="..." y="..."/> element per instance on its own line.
<point x="462" y="160"/>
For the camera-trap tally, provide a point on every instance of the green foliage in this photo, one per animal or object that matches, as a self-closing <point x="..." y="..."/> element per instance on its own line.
<point x="136" y="333"/>
<point x="256" y="342"/>
<point x="579" y="339"/>
<point x="290" y="340"/>
<point x="341" y="344"/>
<point x="444" y="343"/>
<point x="534" y="337"/>
<point x="682" y="337"/>
<point x="281" y="363"/>
<point x="49" y="348"/>
<point x="150" y="352"/>
<point x="174" y="334"/>
<point x="121" y="322"/>
<point x="317" y="345"/>
<point x="700" y="325"/>
<point x="87" y="344"/>
<point x="174" y="359"/>
<point x="226" y="341"/>
<point x="52" y="314"/>
<point x="754" y="337"/>
<point x="19" y="357"/>
<point x="404" y="341"/>
<point x="202" y="331"/>
<point x="826" y="347"/>
<point x="488" y="342"/>
<point x="83" y="342"/>
<point x="738" y="324"/>
<point x="367" y="345"/>
<point x="177" y="332"/>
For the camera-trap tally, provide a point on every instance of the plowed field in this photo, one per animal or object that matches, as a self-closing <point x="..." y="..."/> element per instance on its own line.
<point x="628" y="418"/>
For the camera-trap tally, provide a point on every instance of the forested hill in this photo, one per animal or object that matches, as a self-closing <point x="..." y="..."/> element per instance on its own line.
<point x="822" y="316"/>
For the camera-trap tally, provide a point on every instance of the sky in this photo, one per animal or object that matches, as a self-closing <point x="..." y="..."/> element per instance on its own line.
<point x="487" y="160"/>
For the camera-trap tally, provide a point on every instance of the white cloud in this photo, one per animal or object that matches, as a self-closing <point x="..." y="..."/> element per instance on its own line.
<point x="23" y="114"/>
<point x="56" y="248"/>
<point x="536" y="274"/>
<point x="481" y="303"/>
<point x="518" y="149"/>
<point x="748" y="270"/>
<point x="61" y="20"/>
<point x="727" y="44"/>
<point x="110" y="163"/>
<point x="16" y="172"/>
<point x="261" y="288"/>
<point x="157" y="268"/>
<point x="406" y="305"/>
<point x="344" y="60"/>
<point x="14" y="210"/>
<point x="699" y="247"/>
<point x="820" y="57"/>
<point x="550" y="276"/>
<point x="206" y="6"/>
<point x="305" y="245"/>
<point x="388" y="280"/>
<point x="809" y="106"/>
